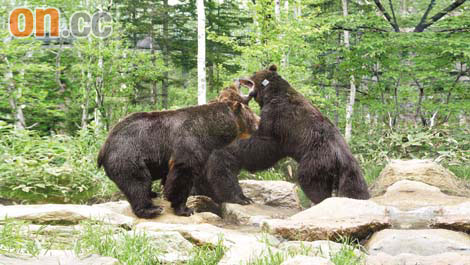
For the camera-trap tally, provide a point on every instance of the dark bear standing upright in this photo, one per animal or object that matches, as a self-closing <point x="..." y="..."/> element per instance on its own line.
<point x="173" y="146"/>
<point x="290" y="126"/>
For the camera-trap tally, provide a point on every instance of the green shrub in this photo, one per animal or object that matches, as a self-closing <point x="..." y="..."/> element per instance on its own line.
<point x="55" y="168"/>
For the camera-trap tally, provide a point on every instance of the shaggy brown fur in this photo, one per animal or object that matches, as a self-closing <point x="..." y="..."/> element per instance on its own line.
<point x="172" y="146"/>
<point x="290" y="126"/>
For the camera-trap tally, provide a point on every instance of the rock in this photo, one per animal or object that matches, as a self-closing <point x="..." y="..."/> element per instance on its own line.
<point x="332" y="219"/>
<point x="424" y="242"/>
<point x="321" y="248"/>
<point x="410" y="259"/>
<point x="247" y="251"/>
<point x="241" y="247"/>
<point x="455" y="217"/>
<point x="120" y="207"/>
<point x="272" y="193"/>
<point x="425" y="171"/>
<point x="207" y="217"/>
<point x="201" y="203"/>
<point x="63" y="213"/>
<point x="306" y="260"/>
<point x="408" y="195"/>
<point x="414" y="219"/>
<point x="54" y="257"/>
<point x="173" y="246"/>
<point x="200" y="234"/>
<point x="253" y="214"/>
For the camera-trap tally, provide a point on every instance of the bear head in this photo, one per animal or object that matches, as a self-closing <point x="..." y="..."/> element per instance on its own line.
<point x="264" y="85"/>
<point x="247" y="120"/>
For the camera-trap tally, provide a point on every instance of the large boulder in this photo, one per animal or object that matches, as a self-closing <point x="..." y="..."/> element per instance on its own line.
<point x="449" y="258"/>
<point x="54" y="257"/>
<point x="423" y="242"/>
<point x="272" y="193"/>
<point x="332" y="219"/>
<point x="425" y="171"/>
<point x="408" y="195"/>
<point x="254" y="214"/>
<point x="454" y="217"/>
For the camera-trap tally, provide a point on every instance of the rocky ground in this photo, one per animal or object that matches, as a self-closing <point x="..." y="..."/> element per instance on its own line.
<point x="419" y="215"/>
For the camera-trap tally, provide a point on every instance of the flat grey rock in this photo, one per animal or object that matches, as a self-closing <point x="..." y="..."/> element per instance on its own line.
<point x="424" y="242"/>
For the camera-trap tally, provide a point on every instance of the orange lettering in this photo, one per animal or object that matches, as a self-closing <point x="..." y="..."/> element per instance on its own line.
<point x="41" y="14"/>
<point x="14" y="22"/>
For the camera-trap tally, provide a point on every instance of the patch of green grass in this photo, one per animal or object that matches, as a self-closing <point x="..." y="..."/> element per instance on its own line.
<point x="15" y="239"/>
<point x="269" y="174"/>
<point x="128" y="248"/>
<point x="461" y="171"/>
<point x="371" y="171"/>
<point x="346" y="255"/>
<point x="20" y="238"/>
<point x="207" y="254"/>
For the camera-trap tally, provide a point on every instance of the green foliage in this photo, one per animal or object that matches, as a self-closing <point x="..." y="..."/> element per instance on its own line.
<point x="128" y="247"/>
<point x="56" y="168"/>
<point x="15" y="239"/>
<point x="443" y="144"/>
<point x="207" y="254"/>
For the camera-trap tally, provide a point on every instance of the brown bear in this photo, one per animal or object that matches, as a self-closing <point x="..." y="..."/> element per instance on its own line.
<point x="173" y="146"/>
<point x="290" y="126"/>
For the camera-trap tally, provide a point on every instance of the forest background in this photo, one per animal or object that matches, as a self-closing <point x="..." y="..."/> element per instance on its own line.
<point x="393" y="75"/>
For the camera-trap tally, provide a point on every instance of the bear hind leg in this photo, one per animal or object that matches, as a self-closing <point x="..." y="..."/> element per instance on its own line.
<point x="138" y="194"/>
<point x="315" y="179"/>
<point x="178" y="187"/>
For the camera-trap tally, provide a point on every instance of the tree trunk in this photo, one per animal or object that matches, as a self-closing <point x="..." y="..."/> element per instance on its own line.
<point x="298" y="9"/>
<point x="352" y="94"/>
<point x="153" y="88"/>
<point x="60" y="84"/>
<point x="99" y="98"/>
<point x="277" y="9"/>
<point x="166" y="57"/>
<point x="462" y="119"/>
<point x="201" y="53"/>
<point x="20" y="122"/>
<point x="86" y="103"/>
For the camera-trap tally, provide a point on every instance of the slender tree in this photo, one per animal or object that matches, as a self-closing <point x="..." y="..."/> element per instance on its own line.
<point x="201" y="53"/>
<point x="352" y="93"/>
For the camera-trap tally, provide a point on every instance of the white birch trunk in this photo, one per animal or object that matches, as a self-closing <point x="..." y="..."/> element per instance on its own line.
<point x="433" y="120"/>
<point x="99" y="90"/>
<point x="462" y="119"/>
<point x="20" y="122"/>
<point x="277" y="9"/>
<point x="298" y="9"/>
<point x="352" y="95"/>
<point x="201" y="53"/>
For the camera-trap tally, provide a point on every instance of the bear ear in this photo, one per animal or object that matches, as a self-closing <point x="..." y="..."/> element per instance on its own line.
<point x="273" y="68"/>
